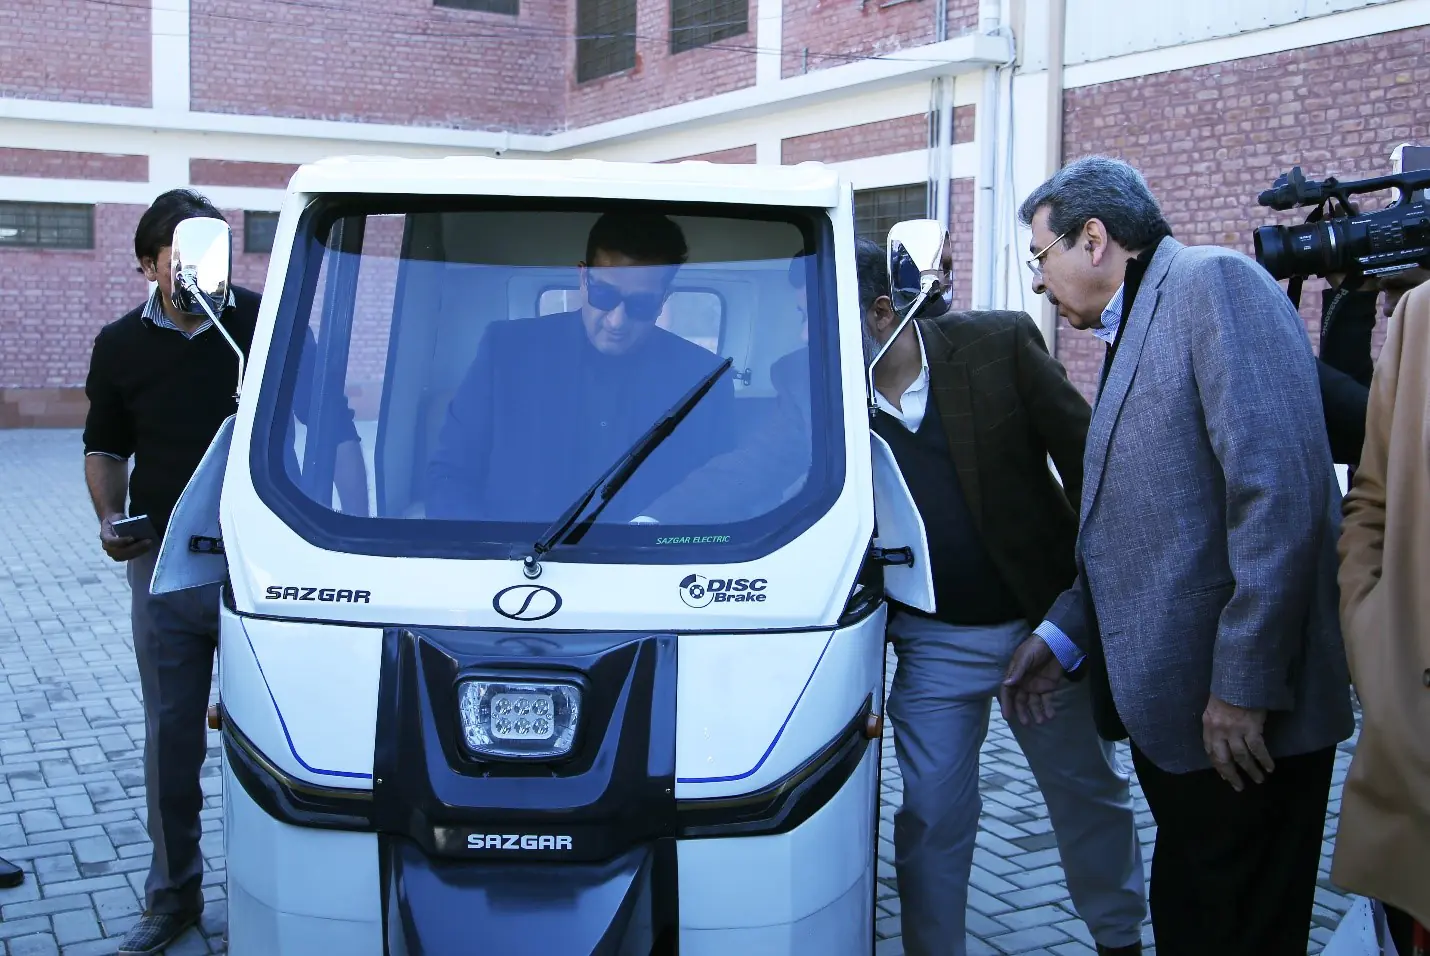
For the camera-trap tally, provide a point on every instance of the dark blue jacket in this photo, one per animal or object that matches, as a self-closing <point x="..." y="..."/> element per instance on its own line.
<point x="541" y="414"/>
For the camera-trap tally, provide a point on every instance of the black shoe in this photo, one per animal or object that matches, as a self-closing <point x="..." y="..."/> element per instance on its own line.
<point x="1134" y="950"/>
<point x="154" y="931"/>
<point x="11" y="875"/>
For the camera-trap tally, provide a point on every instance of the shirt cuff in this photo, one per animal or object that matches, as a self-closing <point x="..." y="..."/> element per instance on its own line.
<point x="1061" y="645"/>
<point x="106" y="454"/>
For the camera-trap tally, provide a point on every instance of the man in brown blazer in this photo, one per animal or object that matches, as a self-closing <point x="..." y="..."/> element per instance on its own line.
<point x="1383" y="845"/>
<point x="973" y="406"/>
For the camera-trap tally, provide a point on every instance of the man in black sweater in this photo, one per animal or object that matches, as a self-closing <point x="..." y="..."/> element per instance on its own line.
<point x="160" y="384"/>
<point x="972" y="406"/>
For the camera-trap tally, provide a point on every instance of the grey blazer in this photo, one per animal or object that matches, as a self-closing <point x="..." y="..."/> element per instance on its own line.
<point x="1210" y="511"/>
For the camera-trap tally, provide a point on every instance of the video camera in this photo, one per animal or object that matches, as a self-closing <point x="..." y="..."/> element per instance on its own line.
<point x="1337" y="237"/>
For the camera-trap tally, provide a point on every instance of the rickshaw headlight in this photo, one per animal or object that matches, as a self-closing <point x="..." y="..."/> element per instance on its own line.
<point x="518" y="719"/>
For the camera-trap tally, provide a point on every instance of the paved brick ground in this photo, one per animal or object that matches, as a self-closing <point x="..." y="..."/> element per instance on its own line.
<point x="72" y="788"/>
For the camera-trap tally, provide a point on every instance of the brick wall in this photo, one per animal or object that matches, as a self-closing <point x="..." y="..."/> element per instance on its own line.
<point x="885" y="137"/>
<point x="960" y="214"/>
<point x="52" y="304"/>
<point x="660" y="78"/>
<point x="1210" y="138"/>
<point x="738" y="154"/>
<point x="54" y="301"/>
<point x="822" y="33"/>
<point x="63" y="164"/>
<point x="76" y="50"/>
<point x="227" y="172"/>
<point x="250" y="269"/>
<point x="382" y="61"/>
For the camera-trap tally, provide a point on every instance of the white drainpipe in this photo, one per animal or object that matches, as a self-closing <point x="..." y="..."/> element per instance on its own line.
<point x="941" y="147"/>
<point x="991" y="20"/>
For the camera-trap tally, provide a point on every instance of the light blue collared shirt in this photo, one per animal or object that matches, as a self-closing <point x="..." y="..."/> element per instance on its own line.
<point x="1111" y="318"/>
<point x="1062" y="646"/>
<point x="154" y="315"/>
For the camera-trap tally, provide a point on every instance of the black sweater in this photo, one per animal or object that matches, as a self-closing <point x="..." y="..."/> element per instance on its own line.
<point x="968" y="590"/>
<point x="160" y="398"/>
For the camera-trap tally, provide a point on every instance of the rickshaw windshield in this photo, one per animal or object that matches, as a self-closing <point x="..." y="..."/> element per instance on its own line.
<point x="448" y="377"/>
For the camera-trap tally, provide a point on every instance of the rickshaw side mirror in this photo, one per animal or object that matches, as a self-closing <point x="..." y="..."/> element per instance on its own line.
<point x="200" y="263"/>
<point x="917" y="257"/>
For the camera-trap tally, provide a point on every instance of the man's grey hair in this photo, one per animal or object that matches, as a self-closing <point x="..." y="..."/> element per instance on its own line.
<point x="871" y="265"/>
<point x="1102" y="188"/>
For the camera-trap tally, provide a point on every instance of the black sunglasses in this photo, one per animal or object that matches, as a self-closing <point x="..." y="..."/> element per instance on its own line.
<point x="640" y="306"/>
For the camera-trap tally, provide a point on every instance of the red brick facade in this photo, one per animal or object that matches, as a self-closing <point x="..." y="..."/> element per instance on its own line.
<point x="250" y="269"/>
<point x="960" y="213"/>
<point x="819" y="34"/>
<point x="739" y="154"/>
<point x="63" y="164"/>
<point x="886" y="137"/>
<point x="227" y="172"/>
<point x="52" y="304"/>
<point x="77" y="51"/>
<point x="1210" y="138"/>
<point x="47" y="326"/>
<point x="661" y="78"/>
<point x="406" y="62"/>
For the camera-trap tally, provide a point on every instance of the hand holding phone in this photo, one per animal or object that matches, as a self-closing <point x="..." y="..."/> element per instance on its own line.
<point x="127" y="538"/>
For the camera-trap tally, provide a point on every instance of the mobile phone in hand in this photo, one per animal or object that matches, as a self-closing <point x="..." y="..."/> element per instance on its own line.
<point x="139" y="527"/>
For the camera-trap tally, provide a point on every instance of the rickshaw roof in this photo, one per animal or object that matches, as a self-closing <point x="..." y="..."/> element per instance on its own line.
<point x="808" y="185"/>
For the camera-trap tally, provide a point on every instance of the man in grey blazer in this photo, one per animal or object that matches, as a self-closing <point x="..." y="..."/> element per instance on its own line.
<point x="1204" y="614"/>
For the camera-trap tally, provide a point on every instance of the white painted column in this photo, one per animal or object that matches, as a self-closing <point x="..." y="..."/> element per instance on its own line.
<point x="768" y="149"/>
<point x="170" y="77"/>
<point x="1028" y="169"/>
<point x="769" y="37"/>
<point x="170" y="49"/>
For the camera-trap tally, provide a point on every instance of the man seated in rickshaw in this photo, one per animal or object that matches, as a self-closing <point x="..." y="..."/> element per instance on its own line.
<point x="550" y="403"/>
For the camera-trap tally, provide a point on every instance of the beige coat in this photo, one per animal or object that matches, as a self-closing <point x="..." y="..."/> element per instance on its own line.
<point x="1383" y="847"/>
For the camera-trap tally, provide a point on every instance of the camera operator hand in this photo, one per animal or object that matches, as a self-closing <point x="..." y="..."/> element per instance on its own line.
<point x="1397" y="284"/>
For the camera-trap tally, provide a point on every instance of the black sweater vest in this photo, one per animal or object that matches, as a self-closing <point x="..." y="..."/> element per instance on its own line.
<point x="968" y="589"/>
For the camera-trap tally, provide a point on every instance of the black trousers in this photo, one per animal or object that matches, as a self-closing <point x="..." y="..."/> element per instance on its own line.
<point x="1402" y="930"/>
<point x="1235" y="873"/>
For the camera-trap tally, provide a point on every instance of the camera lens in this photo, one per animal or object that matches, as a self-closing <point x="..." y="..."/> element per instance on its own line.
<point x="1310" y="249"/>
<point x="1270" y="242"/>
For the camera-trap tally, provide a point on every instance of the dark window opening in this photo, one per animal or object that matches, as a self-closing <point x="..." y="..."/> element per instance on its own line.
<point x="258" y="231"/>
<point x="605" y="38"/>
<point x="697" y="23"/>
<point x="45" y="225"/>
<point x="877" y="210"/>
<point x="485" y="6"/>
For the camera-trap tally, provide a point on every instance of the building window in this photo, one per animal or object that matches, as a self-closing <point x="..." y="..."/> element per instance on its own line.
<point x="46" y="225"/>
<point x="486" y="6"/>
<point x="877" y="210"/>
<point x="258" y="230"/>
<point x="605" y="38"/>
<point x="696" y="23"/>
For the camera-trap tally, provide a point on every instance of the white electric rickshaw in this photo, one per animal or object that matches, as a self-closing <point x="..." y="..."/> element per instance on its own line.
<point x="576" y="723"/>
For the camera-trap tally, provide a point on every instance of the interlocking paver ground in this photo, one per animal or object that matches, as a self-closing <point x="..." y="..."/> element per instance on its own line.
<point x="72" y="780"/>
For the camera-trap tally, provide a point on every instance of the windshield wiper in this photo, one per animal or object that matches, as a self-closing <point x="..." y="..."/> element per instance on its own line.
<point x="614" y="478"/>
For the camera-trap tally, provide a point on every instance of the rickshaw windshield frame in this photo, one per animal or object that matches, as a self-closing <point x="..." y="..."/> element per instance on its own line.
<point x="332" y="530"/>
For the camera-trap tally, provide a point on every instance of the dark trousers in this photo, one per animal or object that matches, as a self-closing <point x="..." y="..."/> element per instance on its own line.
<point x="1401" y="927"/>
<point x="174" y="640"/>
<point x="1235" y="873"/>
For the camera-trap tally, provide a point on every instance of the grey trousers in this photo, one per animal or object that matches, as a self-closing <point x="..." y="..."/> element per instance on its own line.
<point x="174" y="640"/>
<point x="946" y="680"/>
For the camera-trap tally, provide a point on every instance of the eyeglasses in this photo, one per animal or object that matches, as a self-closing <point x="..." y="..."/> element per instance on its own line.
<point x="1035" y="264"/>
<point x="640" y="306"/>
